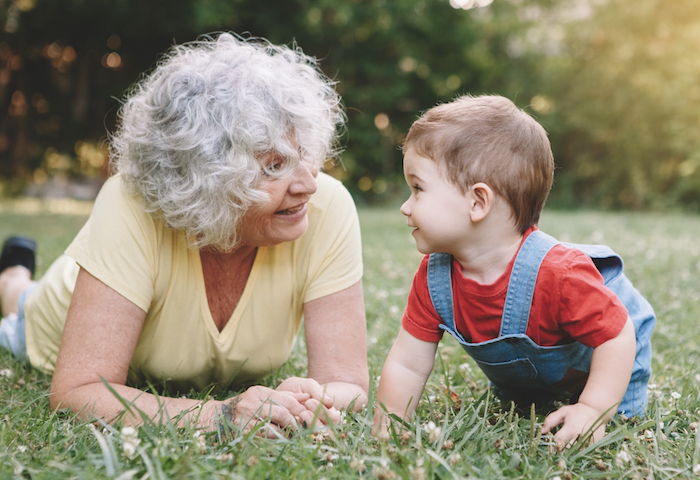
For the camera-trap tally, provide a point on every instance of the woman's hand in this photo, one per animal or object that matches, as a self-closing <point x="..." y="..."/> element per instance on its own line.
<point x="279" y="410"/>
<point x="318" y="406"/>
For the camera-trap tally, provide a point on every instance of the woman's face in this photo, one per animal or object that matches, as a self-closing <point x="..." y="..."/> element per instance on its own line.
<point x="284" y="217"/>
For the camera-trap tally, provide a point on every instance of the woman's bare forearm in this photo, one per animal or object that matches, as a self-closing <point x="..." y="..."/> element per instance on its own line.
<point x="130" y="406"/>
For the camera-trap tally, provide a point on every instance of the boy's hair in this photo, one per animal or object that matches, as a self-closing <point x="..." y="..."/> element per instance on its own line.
<point x="488" y="139"/>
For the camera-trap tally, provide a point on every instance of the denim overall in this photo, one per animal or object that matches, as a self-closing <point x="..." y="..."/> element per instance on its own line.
<point x="523" y="371"/>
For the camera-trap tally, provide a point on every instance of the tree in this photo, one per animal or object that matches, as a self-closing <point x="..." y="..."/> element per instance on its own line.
<point x="625" y="93"/>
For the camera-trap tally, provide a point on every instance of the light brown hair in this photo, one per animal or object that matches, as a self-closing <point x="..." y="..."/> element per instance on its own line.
<point x="488" y="139"/>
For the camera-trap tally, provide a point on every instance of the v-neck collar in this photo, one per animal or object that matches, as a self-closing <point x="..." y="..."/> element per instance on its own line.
<point x="235" y="318"/>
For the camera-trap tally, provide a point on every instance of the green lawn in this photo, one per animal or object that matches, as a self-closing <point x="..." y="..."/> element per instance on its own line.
<point x="476" y="437"/>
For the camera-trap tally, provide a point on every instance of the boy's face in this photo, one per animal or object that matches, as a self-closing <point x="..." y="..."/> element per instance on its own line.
<point x="436" y="209"/>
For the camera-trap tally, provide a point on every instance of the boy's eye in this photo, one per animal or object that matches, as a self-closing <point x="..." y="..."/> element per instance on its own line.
<point x="417" y="188"/>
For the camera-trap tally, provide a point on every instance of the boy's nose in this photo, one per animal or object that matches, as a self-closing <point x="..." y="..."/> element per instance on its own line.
<point x="406" y="208"/>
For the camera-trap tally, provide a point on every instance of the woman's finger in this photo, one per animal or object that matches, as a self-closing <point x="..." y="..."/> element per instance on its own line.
<point x="307" y="385"/>
<point x="325" y="415"/>
<point x="263" y="404"/>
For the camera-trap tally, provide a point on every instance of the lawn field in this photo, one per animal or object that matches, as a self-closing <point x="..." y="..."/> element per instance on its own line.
<point x="460" y="430"/>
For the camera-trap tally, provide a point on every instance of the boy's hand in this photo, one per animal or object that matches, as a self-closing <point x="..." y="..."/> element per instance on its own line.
<point x="576" y="421"/>
<point x="611" y="369"/>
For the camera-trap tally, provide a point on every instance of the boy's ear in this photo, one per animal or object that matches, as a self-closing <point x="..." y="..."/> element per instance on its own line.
<point x="482" y="198"/>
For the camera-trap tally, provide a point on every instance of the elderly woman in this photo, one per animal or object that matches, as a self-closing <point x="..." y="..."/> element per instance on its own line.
<point x="202" y="254"/>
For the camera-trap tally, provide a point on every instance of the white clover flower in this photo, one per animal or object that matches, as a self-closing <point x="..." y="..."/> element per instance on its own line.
<point x="433" y="431"/>
<point x="200" y="442"/>
<point x="675" y="395"/>
<point x="416" y="473"/>
<point x="696" y="469"/>
<point x="130" y="440"/>
<point x="465" y="367"/>
<point x="129" y="450"/>
<point x="6" y="372"/>
<point x="22" y="448"/>
<point x="622" y="458"/>
<point x="321" y="435"/>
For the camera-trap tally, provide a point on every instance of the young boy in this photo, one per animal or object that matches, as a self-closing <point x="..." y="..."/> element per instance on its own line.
<point x="536" y="315"/>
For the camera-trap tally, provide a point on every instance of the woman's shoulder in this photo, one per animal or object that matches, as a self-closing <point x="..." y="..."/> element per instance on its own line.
<point x="331" y="197"/>
<point x="114" y="200"/>
<point x="328" y="187"/>
<point x="113" y="191"/>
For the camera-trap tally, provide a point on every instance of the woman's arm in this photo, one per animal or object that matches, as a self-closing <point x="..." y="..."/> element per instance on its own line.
<point x="99" y="339"/>
<point x="336" y="343"/>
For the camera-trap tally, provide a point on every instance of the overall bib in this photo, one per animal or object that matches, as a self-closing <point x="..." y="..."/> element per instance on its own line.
<point x="523" y="371"/>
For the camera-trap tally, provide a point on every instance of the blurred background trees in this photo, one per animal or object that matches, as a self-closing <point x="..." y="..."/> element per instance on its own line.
<point x="615" y="82"/>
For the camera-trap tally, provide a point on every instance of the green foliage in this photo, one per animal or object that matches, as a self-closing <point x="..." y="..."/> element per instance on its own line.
<point x="626" y="101"/>
<point x="617" y="89"/>
<point x="471" y="435"/>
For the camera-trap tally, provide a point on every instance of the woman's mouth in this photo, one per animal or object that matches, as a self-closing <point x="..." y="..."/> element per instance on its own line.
<point x="291" y="211"/>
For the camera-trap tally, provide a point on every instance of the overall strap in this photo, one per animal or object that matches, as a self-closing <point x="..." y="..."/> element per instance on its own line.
<point x="521" y="286"/>
<point x="440" y="287"/>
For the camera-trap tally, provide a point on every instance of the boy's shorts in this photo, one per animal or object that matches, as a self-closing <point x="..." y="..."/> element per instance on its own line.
<point x="12" y="329"/>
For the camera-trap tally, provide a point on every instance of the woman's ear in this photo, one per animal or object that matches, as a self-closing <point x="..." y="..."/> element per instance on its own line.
<point x="482" y="198"/>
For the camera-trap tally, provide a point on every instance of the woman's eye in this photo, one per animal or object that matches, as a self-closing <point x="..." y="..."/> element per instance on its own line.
<point x="417" y="188"/>
<point x="274" y="165"/>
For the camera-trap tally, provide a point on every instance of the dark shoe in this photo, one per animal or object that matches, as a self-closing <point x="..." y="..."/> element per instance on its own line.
<point x="18" y="251"/>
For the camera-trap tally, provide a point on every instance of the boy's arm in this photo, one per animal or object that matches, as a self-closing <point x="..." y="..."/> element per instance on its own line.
<point x="404" y="375"/>
<point x="611" y="369"/>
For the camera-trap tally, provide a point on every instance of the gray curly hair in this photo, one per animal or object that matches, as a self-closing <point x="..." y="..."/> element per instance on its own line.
<point x="192" y="133"/>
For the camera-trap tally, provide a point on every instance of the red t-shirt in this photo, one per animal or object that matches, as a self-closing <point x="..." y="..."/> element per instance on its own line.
<point x="570" y="303"/>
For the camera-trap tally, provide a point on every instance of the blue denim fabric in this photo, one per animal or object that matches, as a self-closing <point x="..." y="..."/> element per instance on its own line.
<point x="517" y="366"/>
<point x="13" y="331"/>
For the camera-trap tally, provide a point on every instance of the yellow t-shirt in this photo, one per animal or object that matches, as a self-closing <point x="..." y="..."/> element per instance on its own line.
<point x="135" y="254"/>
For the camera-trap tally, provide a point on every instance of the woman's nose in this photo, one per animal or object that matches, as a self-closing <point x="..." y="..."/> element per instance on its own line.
<point x="304" y="179"/>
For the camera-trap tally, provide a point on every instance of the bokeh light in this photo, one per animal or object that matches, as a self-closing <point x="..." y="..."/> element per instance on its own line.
<point x="467" y="4"/>
<point x="381" y="121"/>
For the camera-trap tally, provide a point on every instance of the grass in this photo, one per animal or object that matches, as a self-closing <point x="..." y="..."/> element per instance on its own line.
<point x="460" y="431"/>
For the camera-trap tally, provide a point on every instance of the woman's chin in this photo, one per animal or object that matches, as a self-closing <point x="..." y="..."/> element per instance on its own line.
<point x="285" y="231"/>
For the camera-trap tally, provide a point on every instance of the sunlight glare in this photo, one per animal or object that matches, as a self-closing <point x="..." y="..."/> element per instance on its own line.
<point x="467" y="4"/>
